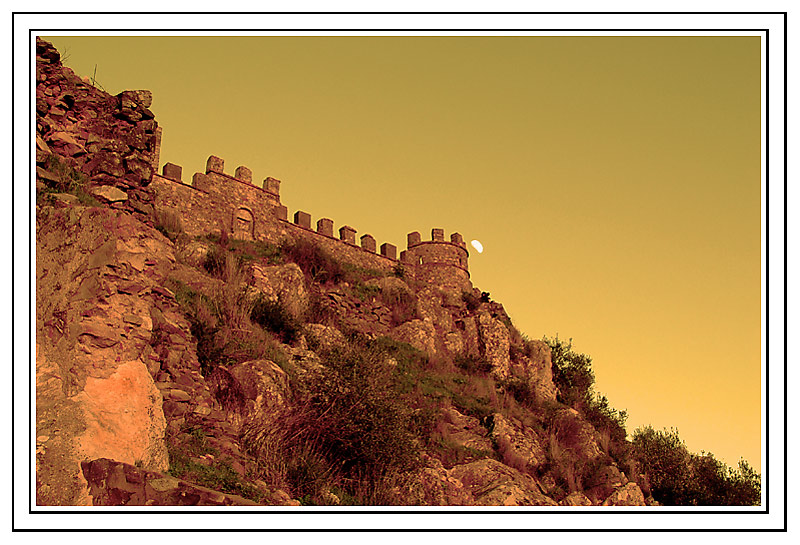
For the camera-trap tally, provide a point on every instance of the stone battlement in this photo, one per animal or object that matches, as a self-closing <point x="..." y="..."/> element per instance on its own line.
<point x="216" y="201"/>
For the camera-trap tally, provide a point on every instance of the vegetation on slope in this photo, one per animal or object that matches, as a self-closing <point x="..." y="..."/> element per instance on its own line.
<point x="354" y="429"/>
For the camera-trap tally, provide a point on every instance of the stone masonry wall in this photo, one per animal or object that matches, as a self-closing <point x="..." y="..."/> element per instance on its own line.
<point x="216" y="201"/>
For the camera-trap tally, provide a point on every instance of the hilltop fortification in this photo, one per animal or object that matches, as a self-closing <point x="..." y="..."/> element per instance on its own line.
<point x="177" y="368"/>
<point x="216" y="201"/>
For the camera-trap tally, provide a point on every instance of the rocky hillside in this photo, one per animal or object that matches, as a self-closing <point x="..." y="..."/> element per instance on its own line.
<point x="206" y="370"/>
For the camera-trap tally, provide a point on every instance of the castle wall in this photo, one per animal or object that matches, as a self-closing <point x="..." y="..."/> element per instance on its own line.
<point x="216" y="202"/>
<point x="338" y="249"/>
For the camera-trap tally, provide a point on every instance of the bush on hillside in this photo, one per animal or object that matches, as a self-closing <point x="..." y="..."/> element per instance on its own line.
<point x="350" y="427"/>
<point x="273" y="316"/>
<point x="315" y="262"/>
<point x="678" y="477"/>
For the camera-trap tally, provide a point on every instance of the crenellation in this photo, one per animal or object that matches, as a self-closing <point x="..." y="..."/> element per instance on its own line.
<point x="368" y="243"/>
<point x="215" y="164"/>
<point x="201" y="181"/>
<point x="325" y="227"/>
<point x="244" y="174"/>
<point x="272" y="185"/>
<point x="389" y="250"/>
<point x="302" y="219"/>
<point x="218" y="202"/>
<point x="172" y="171"/>
<point x="347" y="234"/>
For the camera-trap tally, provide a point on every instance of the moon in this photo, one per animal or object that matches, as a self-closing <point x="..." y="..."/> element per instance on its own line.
<point x="477" y="245"/>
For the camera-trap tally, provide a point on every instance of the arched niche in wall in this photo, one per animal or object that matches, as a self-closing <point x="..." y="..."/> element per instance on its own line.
<point x="243" y="224"/>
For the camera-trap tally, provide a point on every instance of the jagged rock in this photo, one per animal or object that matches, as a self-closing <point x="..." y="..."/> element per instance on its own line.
<point x="430" y="309"/>
<point x="519" y="447"/>
<point x="494" y="341"/>
<point x="492" y="483"/>
<point x="576" y="499"/>
<point x="604" y="482"/>
<point x="536" y="370"/>
<point x="576" y="434"/>
<point x="284" y="283"/>
<point x="630" y="494"/>
<point x="110" y="193"/>
<point x="465" y="431"/>
<point x="194" y="252"/>
<point x="432" y="485"/>
<point x="66" y="198"/>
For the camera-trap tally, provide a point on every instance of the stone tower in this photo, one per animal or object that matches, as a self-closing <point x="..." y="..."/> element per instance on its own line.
<point x="438" y="261"/>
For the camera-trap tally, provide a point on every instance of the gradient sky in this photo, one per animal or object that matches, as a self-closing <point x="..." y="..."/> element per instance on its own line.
<point x="615" y="182"/>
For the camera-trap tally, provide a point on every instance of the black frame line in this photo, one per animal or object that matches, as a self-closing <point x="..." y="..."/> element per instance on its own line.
<point x="433" y="511"/>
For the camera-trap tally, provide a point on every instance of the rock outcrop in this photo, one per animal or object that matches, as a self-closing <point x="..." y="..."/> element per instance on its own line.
<point x="158" y="384"/>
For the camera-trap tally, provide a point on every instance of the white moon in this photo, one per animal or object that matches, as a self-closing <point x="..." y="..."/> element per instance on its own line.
<point x="477" y="245"/>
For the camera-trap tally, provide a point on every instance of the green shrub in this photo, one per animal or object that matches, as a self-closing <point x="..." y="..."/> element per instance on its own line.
<point x="472" y="301"/>
<point x="168" y="223"/>
<point x="316" y="263"/>
<point x="219" y="476"/>
<point x="273" y="316"/>
<point x="365" y="292"/>
<point x="472" y="364"/>
<point x="250" y="250"/>
<point x="215" y="260"/>
<point x="402" y="305"/>
<point x="572" y="373"/>
<point x="678" y="477"/>
<point x="349" y="428"/>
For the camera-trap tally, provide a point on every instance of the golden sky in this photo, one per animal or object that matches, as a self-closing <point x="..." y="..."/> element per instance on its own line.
<point x="614" y="182"/>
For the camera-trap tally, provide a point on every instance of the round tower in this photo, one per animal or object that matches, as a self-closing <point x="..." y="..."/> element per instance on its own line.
<point x="437" y="261"/>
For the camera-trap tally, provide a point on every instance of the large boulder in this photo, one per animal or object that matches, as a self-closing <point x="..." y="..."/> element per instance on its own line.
<point x="124" y="418"/>
<point x="576" y="499"/>
<point x="432" y="485"/>
<point x="493" y="483"/>
<point x="285" y="283"/>
<point x="627" y="495"/>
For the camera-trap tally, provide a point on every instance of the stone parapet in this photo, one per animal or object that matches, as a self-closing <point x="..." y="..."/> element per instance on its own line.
<point x="244" y="174"/>
<point x="368" y="243"/>
<point x="173" y="172"/>
<point x="325" y="227"/>
<point x="302" y="219"/>
<point x="347" y="234"/>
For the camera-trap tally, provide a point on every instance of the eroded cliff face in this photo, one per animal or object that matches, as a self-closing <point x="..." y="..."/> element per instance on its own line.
<point x="166" y="366"/>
